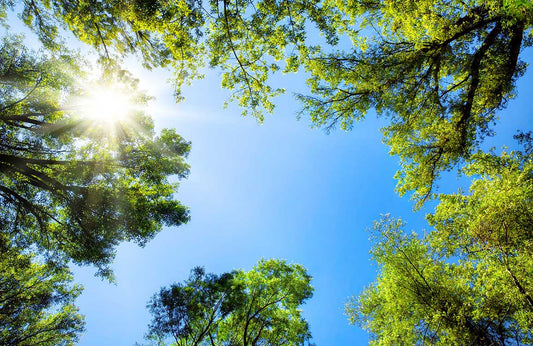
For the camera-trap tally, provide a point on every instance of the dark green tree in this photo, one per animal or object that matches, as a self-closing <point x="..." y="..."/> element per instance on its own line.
<point x="190" y="312"/>
<point x="36" y="300"/>
<point x="70" y="186"/>
<point x="470" y="280"/>
<point x="259" y="307"/>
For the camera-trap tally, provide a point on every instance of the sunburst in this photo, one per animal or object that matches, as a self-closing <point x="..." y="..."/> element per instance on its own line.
<point x="105" y="105"/>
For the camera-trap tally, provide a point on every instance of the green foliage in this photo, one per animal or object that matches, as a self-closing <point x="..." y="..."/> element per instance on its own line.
<point x="469" y="280"/>
<point x="439" y="69"/>
<point x="75" y="188"/>
<point x="36" y="301"/>
<point x="496" y="215"/>
<point x="259" y="307"/>
<point x="249" y="40"/>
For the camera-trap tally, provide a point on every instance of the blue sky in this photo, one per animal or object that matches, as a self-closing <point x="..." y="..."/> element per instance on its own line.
<point x="276" y="190"/>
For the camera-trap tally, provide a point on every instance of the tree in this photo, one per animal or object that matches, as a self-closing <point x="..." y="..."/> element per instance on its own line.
<point x="467" y="282"/>
<point x="190" y="312"/>
<point x="36" y="300"/>
<point x="68" y="185"/>
<point x="259" y="307"/>
<point x="439" y="69"/>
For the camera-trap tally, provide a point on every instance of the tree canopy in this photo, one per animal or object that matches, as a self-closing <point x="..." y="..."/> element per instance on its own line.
<point x="469" y="280"/>
<point x="438" y="69"/>
<point x="68" y="185"/>
<point x="241" y="37"/>
<point x="259" y="307"/>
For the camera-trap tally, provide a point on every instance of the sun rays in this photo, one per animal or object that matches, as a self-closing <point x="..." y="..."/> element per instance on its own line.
<point x="107" y="105"/>
<point x="108" y="111"/>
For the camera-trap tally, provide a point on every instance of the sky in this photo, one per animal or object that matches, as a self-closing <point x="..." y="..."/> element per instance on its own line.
<point x="280" y="189"/>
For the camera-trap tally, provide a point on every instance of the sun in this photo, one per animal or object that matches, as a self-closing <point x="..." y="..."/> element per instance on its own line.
<point x="105" y="105"/>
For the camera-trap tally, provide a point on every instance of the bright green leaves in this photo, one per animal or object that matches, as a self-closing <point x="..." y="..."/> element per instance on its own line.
<point x="259" y="307"/>
<point x="249" y="40"/>
<point x="421" y="297"/>
<point x="161" y="33"/>
<point x="36" y="301"/>
<point x="439" y="70"/>
<point x="252" y="40"/>
<point x="497" y="212"/>
<point x="469" y="280"/>
<point x="269" y="311"/>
